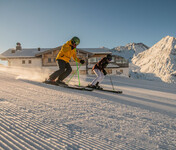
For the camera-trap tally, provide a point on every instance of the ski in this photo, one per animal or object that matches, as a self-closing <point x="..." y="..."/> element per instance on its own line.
<point x="69" y="86"/>
<point x="105" y="90"/>
<point x="111" y="91"/>
<point x="51" y="83"/>
<point x="85" y="88"/>
<point x="77" y="87"/>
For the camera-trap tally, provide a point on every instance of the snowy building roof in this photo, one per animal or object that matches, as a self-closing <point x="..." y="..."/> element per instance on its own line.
<point x="58" y="48"/>
<point x="1" y="56"/>
<point x="26" y="52"/>
<point x="102" y="50"/>
<point x="33" y="52"/>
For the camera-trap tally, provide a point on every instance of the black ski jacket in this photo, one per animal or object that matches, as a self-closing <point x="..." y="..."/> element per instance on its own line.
<point x="101" y="64"/>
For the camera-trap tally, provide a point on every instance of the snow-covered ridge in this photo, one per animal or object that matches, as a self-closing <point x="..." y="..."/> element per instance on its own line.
<point x="137" y="47"/>
<point x="160" y="59"/>
<point x="129" y="50"/>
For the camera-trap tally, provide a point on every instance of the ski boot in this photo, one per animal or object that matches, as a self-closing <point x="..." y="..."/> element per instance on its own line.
<point x="98" y="87"/>
<point x="62" y="83"/>
<point x="91" y="86"/>
<point x="50" y="81"/>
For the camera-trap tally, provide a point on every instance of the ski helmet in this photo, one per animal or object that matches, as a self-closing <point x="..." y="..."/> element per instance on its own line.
<point x="75" y="40"/>
<point x="109" y="57"/>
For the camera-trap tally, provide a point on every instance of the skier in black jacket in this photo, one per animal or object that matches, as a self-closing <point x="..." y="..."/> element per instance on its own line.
<point x="99" y="70"/>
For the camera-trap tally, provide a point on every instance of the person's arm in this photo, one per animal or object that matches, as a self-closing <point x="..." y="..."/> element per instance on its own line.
<point x="104" y="72"/>
<point x="75" y="57"/>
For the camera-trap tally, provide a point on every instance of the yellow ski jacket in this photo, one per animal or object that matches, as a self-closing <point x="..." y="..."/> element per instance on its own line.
<point x="67" y="52"/>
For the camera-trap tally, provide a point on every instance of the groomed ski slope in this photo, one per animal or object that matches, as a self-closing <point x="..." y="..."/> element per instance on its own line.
<point x="34" y="115"/>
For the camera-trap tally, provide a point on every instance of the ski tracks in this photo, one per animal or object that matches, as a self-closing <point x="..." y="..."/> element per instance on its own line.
<point x="23" y="126"/>
<point x="49" y="117"/>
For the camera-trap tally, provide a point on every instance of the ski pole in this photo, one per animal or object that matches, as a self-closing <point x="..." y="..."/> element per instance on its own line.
<point x="112" y="84"/>
<point x="77" y="68"/>
<point x="73" y="74"/>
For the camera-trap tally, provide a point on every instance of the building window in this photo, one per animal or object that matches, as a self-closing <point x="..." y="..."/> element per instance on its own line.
<point x="109" y="71"/>
<point x="82" y="71"/>
<point x="30" y="61"/>
<point x="98" y="59"/>
<point x="91" y="60"/>
<point x="113" y="59"/>
<point x="54" y="59"/>
<point x="49" y="60"/>
<point x="119" y="61"/>
<point x="23" y="61"/>
<point x="118" y="72"/>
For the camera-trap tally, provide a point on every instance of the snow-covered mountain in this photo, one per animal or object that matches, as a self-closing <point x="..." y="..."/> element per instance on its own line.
<point x="129" y="50"/>
<point x="160" y="59"/>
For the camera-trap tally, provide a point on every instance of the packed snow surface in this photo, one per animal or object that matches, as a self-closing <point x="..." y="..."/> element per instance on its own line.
<point x="34" y="115"/>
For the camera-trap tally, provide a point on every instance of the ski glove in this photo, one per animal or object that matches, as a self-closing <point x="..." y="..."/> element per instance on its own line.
<point x="73" y="46"/>
<point x="82" y="61"/>
<point x="104" y="71"/>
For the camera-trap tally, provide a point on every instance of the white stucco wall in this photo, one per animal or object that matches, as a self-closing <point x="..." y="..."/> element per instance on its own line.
<point x="35" y="62"/>
<point x="121" y="71"/>
<point x="117" y="71"/>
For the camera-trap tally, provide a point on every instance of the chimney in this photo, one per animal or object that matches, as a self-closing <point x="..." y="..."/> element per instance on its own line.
<point x="13" y="51"/>
<point x="39" y="49"/>
<point x="18" y="46"/>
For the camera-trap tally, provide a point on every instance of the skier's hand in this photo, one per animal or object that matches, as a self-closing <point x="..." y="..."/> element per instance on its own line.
<point x="104" y="71"/>
<point x="82" y="61"/>
<point x="73" y="46"/>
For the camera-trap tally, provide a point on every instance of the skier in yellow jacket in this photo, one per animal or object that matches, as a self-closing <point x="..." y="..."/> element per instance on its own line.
<point x="67" y="51"/>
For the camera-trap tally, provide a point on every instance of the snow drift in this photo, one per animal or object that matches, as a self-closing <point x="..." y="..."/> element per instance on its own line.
<point x="159" y="60"/>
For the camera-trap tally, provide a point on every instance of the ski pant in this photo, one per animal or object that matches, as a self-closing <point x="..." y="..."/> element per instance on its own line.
<point x="64" y="70"/>
<point x="99" y="78"/>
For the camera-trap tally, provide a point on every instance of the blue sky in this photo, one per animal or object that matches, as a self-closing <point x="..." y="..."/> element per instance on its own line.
<point x="109" y="23"/>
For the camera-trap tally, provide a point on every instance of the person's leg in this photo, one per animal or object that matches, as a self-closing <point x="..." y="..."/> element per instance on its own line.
<point x="66" y="72"/>
<point x="99" y="77"/>
<point x="99" y="81"/>
<point x="62" y="65"/>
